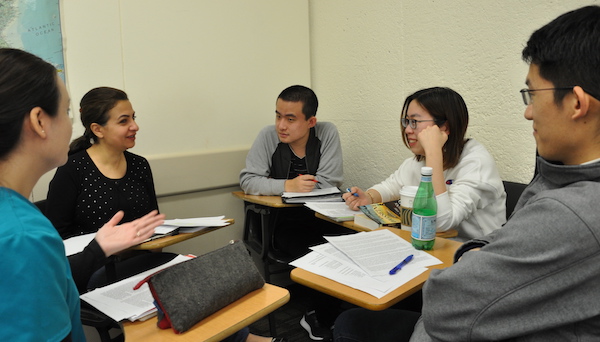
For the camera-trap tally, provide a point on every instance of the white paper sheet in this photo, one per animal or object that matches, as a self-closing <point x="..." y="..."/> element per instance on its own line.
<point x="76" y="244"/>
<point x="338" y="211"/>
<point x="377" y="252"/>
<point x="215" y="221"/>
<point x="351" y="275"/>
<point x="119" y="301"/>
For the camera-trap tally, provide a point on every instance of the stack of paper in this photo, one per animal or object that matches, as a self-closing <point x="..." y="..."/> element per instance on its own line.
<point x="363" y="261"/>
<point x="119" y="301"/>
<point x="170" y="227"/>
<point x="76" y="244"/>
<point x="364" y="221"/>
<point x="317" y="195"/>
<point x="337" y="211"/>
<point x="191" y="225"/>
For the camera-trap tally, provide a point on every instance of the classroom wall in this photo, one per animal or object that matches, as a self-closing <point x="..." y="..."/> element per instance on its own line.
<point x="203" y="78"/>
<point x="366" y="57"/>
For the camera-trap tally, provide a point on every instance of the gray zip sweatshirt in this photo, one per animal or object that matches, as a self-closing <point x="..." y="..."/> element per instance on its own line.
<point x="254" y="178"/>
<point x="536" y="279"/>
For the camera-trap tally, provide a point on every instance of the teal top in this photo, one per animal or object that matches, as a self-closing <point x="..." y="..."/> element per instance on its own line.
<point x="39" y="299"/>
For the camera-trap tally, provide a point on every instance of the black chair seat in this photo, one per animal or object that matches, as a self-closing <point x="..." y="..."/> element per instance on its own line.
<point x="513" y="193"/>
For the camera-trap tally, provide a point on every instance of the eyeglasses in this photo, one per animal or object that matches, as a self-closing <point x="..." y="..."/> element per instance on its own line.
<point x="526" y="93"/>
<point x="413" y="123"/>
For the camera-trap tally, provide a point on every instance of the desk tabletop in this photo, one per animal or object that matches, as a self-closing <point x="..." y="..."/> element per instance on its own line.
<point x="443" y="249"/>
<point x="450" y="233"/>
<point x="173" y="239"/>
<point x="269" y="201"/>
<point x="217" y="326"/>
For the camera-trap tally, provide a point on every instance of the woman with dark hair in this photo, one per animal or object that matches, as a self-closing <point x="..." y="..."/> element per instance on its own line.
<point x="468" y="187"/>
<point x="100" y="179"/>
<point x="40" y="301"/>
<point x="101" y="176"/>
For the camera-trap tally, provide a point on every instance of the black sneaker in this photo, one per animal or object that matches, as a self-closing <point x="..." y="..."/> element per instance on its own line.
<point x="315" y="331"/>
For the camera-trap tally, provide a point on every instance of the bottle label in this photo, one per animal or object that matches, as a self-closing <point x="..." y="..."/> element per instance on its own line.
<point x="423" y="227"/>
<point x="425" y="178"/>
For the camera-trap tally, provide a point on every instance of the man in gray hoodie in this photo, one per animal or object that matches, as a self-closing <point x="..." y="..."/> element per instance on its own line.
<point x="537" y="278"/>
<point x="298" y="154"/>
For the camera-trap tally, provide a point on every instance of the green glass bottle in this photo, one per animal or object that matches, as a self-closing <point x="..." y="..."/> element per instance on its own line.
<point x="424" y="213"/>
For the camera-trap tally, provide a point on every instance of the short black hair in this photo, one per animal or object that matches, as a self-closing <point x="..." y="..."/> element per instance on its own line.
<point x="299" y="93"/>
<point x="567" y="51"/>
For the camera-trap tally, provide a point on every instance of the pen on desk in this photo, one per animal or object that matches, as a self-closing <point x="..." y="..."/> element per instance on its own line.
<point x="353" y="193"/>
<point x="400" y="265"/>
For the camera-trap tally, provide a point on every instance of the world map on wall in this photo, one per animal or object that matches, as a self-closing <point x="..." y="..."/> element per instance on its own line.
<point x="33" y="26"/>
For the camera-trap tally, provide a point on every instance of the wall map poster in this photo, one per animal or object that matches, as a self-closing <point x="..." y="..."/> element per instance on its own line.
<point x="33" y="26"/>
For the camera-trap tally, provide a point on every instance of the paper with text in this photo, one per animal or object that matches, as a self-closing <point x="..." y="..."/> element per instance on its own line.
<point x="377" y="252"/>
<point x="119" y="301"/>
<point x="338" y="211"/>
<point x="351" y="275"/>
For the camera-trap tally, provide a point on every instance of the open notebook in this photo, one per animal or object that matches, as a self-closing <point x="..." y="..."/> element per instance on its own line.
<point x="317" y="195"/>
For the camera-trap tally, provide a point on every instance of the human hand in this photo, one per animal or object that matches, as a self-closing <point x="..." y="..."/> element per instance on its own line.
<point x="302" y="183"/>
<point x="114" y="238"/>
<point x="355" y="198"/>
<point x="432" y="138"/>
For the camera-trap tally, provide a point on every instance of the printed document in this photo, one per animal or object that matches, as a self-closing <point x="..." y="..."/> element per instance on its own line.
<point x="377" y="252"/>
<point x="119" y="301"/>
<point x="363" y="261"/>
<point x="337" y="211"/>
<point x="76" y="244"/>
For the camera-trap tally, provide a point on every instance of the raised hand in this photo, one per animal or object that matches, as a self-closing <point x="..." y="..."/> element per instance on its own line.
<point x="114" y="238"/>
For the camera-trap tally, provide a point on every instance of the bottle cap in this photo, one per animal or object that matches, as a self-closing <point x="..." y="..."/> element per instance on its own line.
<point x="426" y="171"/>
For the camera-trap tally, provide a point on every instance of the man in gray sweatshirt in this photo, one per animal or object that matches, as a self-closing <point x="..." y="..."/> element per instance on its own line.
<point x="297" y="154"/>
<point x="537" y="278"/>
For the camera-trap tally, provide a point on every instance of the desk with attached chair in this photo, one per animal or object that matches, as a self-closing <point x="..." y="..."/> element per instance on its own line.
<point x="443" y="249"/>
<point x="260" y="217"/>
<point x="217" y="326"/>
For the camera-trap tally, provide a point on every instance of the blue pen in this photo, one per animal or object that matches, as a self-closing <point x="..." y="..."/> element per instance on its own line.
<point x="353" y="193"/>
<point x="400" y="265"/>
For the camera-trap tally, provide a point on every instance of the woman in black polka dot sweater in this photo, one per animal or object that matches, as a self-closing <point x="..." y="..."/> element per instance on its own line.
<point x="100" y="179"/>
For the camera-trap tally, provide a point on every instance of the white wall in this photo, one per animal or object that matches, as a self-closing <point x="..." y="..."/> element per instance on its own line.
<point x="368" y="56"/>
<point x="203" y="77"/>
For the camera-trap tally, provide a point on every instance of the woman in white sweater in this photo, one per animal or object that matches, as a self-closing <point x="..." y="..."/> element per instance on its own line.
<point x="468" y="187"/>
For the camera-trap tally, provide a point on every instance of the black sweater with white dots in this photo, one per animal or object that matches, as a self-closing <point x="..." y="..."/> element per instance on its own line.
<point x="81" y="199"/>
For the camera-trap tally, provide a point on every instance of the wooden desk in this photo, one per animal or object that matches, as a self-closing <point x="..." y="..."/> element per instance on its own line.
<point x="450" y="233"/>
<point x="173" y="239"/>
<point x="269" y="201"/>
<point x="217" y="326"/>
<point x="443" y="249"/>
<point x="260" y="217"/>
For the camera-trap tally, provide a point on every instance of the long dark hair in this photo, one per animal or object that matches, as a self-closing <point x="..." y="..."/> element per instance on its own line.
<point x="447" y="106"/>
<point x="94" y="108"/>
<point x="26" y="82"/>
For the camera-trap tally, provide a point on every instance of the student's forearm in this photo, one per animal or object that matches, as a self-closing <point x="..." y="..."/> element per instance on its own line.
<point x="435" y="160"/>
